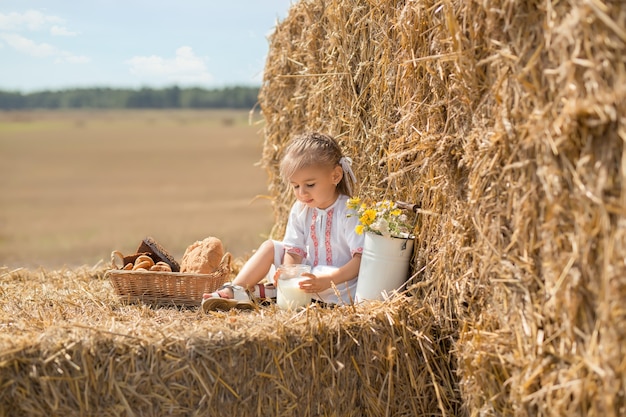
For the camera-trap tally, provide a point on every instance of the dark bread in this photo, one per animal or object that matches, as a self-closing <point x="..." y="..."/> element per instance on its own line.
<point x="155" y="251"/>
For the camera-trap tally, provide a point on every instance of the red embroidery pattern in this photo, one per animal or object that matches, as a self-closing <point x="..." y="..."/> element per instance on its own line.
<point x="314" y="238"/>
<point x="297" y="251"/>
<point x="329" y="224"/>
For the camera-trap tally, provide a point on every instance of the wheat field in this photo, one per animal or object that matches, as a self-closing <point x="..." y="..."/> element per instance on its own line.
<point x="76" y="185"/>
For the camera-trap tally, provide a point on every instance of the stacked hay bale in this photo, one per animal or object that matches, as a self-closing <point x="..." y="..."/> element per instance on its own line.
<point x="69" y="347"/>
<point x="505" y="121"/>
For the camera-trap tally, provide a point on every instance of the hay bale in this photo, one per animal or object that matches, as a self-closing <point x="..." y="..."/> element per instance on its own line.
<point x="69" y="347"/>
<point x="505" y="121"/>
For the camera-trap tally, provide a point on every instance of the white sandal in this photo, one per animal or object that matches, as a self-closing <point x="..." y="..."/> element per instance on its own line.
<point x="241" y="299"/>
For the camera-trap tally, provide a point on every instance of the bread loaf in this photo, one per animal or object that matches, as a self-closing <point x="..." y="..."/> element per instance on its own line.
<point x="203" y="256"/>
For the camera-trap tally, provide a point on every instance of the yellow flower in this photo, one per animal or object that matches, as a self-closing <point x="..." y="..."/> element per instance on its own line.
<point x="368" y="217"/>
<point x="382" y="217"/>
<point x="353" y="203"/>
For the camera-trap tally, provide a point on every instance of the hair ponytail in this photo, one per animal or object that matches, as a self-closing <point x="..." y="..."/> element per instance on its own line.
<point x="316" y="148"/>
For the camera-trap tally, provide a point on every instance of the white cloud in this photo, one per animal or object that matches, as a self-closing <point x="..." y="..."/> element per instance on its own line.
<point x="29" y="20"/>
<point x="27" y="46"/>
<point x="185" y="67"/>
<point x="40" y="50"/>
<point x="33" y="20"/>
<point x="73" y="59"/>
<point x="61" y="31"/>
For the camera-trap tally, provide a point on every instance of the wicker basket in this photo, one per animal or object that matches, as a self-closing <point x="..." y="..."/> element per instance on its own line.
<point x="168" y="288"/>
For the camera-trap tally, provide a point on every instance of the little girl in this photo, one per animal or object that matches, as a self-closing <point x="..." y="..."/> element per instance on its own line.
<point x="319" y="232"/>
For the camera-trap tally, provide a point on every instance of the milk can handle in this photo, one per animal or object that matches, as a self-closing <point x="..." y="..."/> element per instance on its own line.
<point x="408" y="206"/>
<point x="411" y="207"/>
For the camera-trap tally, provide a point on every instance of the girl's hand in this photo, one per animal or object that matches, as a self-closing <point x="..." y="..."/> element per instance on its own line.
<point x="314" y="284"/>
<point x="275" y="277"/>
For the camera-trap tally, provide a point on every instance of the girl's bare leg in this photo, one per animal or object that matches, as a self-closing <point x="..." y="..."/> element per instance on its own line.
<point x="254" y="270"/>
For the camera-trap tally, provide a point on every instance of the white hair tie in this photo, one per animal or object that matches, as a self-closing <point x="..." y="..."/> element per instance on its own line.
<point x="346" y="165"/>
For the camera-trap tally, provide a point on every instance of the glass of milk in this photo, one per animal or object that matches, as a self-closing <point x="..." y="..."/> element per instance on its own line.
<point x="289" y="296"/>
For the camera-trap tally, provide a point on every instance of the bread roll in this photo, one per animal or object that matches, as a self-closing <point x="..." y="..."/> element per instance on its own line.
<point x="161" y="266"/>
<point x="117" y="259"/>
<point x="145" y="265"/>
<point x="144" y="258"/>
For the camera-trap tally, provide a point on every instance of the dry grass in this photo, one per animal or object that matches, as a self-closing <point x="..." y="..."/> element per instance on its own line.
<point x="69" y="347"/>
<point x="505" y="121"/>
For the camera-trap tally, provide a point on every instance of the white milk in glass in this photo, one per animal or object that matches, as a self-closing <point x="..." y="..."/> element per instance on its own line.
<point x="289" y="296"/>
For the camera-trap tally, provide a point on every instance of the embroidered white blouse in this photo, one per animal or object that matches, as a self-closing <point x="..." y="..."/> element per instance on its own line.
<point x="325" y="237"/>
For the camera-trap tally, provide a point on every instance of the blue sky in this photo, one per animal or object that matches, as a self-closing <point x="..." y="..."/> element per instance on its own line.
<point x="56" y="44"/>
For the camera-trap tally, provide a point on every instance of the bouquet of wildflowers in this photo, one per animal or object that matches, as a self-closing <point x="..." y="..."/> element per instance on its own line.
<point x="383" y="218"/>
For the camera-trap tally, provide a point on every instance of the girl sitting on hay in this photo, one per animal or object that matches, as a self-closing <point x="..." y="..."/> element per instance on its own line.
<point x="319" y="232"/>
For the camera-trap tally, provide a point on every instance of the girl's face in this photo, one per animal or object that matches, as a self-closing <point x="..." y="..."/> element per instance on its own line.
<point x="316" y="186"/>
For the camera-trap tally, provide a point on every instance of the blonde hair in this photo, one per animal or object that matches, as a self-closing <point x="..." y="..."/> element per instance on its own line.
<point x="315" y="149"/>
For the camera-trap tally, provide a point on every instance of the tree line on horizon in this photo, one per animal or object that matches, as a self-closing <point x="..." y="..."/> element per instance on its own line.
<point x="144" y="98"/>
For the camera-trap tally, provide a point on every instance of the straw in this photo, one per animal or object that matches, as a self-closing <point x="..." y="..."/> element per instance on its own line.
<point x="505" y="122"/>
